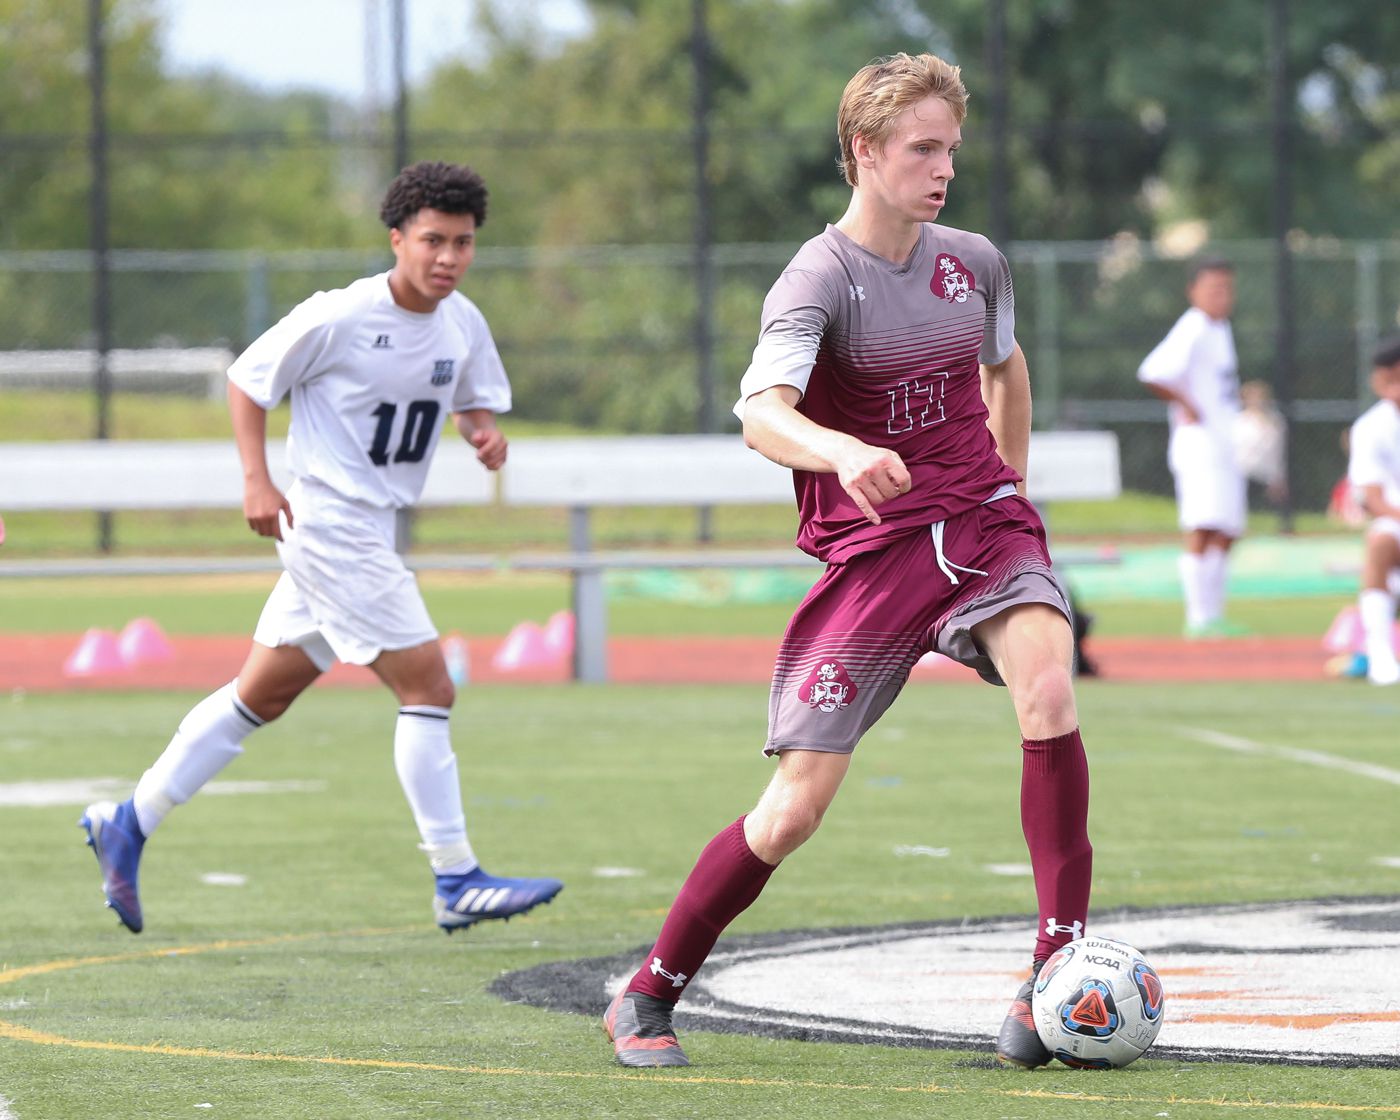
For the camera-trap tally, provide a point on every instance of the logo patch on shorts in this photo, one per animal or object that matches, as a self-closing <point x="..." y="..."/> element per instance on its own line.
<point x="828" y="687"/>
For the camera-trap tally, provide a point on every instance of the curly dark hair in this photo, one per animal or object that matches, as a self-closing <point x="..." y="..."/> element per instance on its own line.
<point x="448" y="187"/>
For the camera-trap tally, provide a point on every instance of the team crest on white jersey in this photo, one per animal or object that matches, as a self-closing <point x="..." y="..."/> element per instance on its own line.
<point x="951" y="279"/>
<point x="442" y="371"/>
<point x="828" y="687"/>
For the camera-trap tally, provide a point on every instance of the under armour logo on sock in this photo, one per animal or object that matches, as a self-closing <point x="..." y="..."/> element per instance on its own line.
<point x="1075" y="929"/>
<point x="677" y="979"/>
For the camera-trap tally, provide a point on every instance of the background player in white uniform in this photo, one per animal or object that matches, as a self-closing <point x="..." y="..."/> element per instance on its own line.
<point x="1373" y="471"/>
<point x="372" y="369"/>
<point x="1195" y="370"/>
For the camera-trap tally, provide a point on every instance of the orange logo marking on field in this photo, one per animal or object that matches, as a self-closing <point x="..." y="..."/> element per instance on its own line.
<point x="1296" y="1022"/>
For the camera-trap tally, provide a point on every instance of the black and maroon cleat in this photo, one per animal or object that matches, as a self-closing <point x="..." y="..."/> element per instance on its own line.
<point x="1018" y="1044"/>
<point x="640" y="1028"/>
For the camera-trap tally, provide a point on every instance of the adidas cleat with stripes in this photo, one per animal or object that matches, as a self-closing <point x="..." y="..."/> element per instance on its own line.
<point x="116" y="839"/>
<point x="464" y="900"/>
<point x="640" y="1028"/>
<point x="1018" y="1044"/>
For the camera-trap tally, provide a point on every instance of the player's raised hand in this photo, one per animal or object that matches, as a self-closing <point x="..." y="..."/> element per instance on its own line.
<point x="490" y="444"/>
<point x="872" y="476"/>
<point x="262" y="503"/>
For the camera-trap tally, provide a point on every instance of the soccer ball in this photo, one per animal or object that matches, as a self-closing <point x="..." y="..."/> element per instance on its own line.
<point x="1097" y="1004"/>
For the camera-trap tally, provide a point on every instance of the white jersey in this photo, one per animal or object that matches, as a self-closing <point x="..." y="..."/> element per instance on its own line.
<point x="1374" y="459"/>
<point x="1197" y="359"/>
<point x="371" y="385"/>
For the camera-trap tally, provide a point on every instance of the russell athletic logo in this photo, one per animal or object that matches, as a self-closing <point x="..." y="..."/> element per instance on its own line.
<point x="951" y="279"/>
<point x="828" y="687"/>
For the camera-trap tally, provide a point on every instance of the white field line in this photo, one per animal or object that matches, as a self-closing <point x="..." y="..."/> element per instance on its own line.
<point x="5" y="1113"/>
<point x="1293" y="754"/>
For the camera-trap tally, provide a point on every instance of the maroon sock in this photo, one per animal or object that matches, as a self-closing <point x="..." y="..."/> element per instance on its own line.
<point x="1054" y="817"/>
<point x="724" y="882"/>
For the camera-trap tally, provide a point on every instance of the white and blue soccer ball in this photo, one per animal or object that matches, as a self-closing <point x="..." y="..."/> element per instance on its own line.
<point x="1097" y="1004"/>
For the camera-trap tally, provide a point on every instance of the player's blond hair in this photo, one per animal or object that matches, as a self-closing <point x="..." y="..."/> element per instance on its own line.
<point x="882" y="90"/>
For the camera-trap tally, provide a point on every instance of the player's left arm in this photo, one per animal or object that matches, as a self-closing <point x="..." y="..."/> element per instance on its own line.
<point x="1006" y="390"/>
<point x="478" y="428"/>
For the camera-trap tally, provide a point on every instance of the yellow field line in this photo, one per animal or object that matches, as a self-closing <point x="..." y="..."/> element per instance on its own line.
<point x="17" y="1033"/>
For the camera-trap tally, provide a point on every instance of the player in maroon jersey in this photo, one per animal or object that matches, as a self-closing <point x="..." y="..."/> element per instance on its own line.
<point x="887" y="376"/>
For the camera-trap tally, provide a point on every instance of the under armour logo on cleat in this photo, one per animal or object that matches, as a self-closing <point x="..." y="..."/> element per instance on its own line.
<point x="677" y="979"/>
<point x="1075" y="929"/>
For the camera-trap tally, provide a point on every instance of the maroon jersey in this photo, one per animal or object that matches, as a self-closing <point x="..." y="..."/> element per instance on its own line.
<point x="890" y="354"/>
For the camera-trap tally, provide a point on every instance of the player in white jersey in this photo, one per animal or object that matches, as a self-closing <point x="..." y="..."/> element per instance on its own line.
<point x="372" y="371"/>
<point x="1373" y="472"/>
<point x="1194" y="369"/>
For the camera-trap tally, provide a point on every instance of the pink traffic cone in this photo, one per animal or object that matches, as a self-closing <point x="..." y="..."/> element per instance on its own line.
<point x="1345" y="634"/>
<point x="143" y="642"/>
<point x="523" y="648"/>
<point x="97" y="653"/>
<point x="559" y="634"/>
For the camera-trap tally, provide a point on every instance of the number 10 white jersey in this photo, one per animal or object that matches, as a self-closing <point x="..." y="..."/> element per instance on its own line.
<point x="371" y="385"/>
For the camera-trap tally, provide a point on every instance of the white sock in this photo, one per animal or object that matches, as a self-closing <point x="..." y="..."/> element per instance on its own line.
<point x="427" y="769"/>
<point x="1193" y="587"/>
<point x="1216" y="565"/>
<point x="1377" y="621"/>
<point x="206" y="741"/>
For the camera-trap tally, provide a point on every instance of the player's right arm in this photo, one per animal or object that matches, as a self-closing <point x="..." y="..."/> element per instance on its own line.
<point x="775" y="429"/>
<point x="1164" y="371"/>
<point x="262" y="501"/>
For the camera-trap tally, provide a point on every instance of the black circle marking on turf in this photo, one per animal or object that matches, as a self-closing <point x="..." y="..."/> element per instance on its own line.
<point x="579" y="986"/>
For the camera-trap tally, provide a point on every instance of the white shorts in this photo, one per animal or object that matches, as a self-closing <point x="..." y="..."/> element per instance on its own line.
<point x="1210" y="488"/>
<point x="346" y="594"/>
<point x="1384" y="526"/>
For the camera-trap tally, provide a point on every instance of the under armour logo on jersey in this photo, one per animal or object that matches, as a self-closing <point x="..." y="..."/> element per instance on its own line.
<point x="442" y="371"/>
<point x="677" y="979"/>
<point x="857" y="293"/>
<point x="381" y="342"/>
<point x="1074" y="929"/>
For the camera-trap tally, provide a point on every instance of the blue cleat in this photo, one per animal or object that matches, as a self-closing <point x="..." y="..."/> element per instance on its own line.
<point x="463" y="900"/>
<point x="116" y="839"/>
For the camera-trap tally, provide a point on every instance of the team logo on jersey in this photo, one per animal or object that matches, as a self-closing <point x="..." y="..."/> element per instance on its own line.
<point x="381" y="342"/>
<point x="828" y="687"/>
<point x="442" y="371"/>
<point x="951" y="279"/>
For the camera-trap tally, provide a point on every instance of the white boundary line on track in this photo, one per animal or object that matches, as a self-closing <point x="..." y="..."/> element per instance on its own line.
<point x="1293" y="754"/>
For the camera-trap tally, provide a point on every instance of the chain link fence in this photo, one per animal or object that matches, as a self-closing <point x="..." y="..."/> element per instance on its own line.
<point x="604" y="338"/>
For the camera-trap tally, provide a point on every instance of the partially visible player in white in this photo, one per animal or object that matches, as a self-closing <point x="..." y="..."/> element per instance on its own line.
<point x="1195" y="370"/>
<point x="1373" y="472"/>
<point x="372" y="371"/>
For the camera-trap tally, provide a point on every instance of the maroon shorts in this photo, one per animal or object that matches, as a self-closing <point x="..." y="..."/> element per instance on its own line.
<point x="853" y="640"/>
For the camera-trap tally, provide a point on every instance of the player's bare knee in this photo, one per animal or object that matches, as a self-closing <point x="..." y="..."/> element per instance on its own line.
<point x="776" y="831"/>
<point x="1046" y="700"/>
